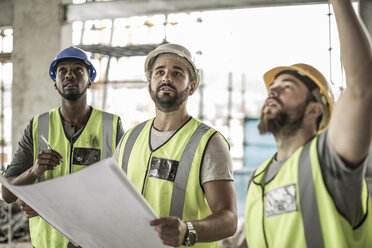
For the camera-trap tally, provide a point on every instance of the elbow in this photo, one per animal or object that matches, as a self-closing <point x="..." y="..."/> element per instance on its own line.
<point x="235" y="224"/>
<point x="232" y="223"/>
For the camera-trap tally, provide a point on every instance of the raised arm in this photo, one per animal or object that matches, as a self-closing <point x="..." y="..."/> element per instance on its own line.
<point x="350" y="129"/>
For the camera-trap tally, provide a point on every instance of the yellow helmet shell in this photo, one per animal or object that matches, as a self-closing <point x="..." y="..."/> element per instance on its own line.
<point x="314" y="75"/>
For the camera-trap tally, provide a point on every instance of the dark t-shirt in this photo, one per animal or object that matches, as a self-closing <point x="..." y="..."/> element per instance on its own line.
<point x="343" y="184"/>
<point x="24" y="156"/>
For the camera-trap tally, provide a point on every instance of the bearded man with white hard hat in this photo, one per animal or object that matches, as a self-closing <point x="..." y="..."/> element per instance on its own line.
<point x="179" y="164"/>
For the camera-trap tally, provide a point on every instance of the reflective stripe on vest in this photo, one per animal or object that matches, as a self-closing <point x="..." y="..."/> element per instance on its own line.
<point x="309" y="210"/>
<point x="43" y="130"/>
<point x="130" y="143"/>
<point x="107" y="125"/>
<point x="182" y="176"/>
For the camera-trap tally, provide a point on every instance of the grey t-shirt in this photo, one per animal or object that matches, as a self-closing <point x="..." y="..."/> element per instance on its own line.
<point x="24" y="156"/>
<point x="343" y="184"/>
<point x="217" y="162"/>
<point x="369" y="164"/>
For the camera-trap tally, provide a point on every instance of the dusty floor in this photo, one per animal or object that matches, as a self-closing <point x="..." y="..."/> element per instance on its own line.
<point x="16" y="245"/>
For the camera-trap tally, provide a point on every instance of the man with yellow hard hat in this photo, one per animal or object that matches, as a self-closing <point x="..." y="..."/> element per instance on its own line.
<point x="312" y="192"/>
<point x="180" y="165"/>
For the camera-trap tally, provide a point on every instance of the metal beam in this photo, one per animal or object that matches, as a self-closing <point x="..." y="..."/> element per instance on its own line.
<point x="5" y="57"/>
<point x="127" y="8"/>
<point x="127" y="51"/>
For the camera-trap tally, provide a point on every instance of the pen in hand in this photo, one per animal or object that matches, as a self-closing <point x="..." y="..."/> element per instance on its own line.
<point x="47" y="143"/>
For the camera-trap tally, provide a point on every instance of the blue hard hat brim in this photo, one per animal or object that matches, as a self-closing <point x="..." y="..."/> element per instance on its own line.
<point x="54" y="63"/>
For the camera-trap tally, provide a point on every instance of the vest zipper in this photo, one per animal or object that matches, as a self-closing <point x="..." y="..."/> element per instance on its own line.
<point x="263" y="214"/>
<point x="145" y="178"/>
<point x="70" y="166"/>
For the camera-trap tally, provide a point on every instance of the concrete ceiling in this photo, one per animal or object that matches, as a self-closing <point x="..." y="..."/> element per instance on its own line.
<point x="126" y="8"/>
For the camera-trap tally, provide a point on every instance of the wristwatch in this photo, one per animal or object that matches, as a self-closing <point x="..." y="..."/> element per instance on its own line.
<point x="190" y="237"/>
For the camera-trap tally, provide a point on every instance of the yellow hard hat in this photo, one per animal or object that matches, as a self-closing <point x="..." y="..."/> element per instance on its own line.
<point x="323" y="94"/>
<point x="176" y="49"/>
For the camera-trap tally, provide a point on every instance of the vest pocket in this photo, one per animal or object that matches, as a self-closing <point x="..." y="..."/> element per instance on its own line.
<point x="86" y="156"/>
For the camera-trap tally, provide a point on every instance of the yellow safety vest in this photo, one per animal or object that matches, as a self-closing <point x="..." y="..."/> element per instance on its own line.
<point x="96" y="142"/>
<point x="168" y="177"/>
<point x="295" y="209"/>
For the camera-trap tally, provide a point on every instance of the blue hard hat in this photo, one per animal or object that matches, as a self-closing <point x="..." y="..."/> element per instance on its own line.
<point x="75" y="53"/>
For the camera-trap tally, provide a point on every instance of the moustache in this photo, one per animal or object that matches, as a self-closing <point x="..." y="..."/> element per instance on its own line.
<point x="275" y="99"/>
<point x="167" y="85"/>
<point x="68" y="82"/>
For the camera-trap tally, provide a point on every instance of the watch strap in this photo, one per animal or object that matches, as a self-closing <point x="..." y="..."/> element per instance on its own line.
<point x="190" y="236"/>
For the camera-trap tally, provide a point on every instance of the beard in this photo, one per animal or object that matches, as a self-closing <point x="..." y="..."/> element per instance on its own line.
<point x="286" y="121"/>
<point x="73" y="97"/>
<point x="167" y="102"/>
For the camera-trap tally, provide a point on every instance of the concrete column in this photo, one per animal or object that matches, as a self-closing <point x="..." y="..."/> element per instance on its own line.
<point x="37" y="36"/>
<point x="6" y="13"/>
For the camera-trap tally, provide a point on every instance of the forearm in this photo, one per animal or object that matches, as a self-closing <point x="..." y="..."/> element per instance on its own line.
<point x="217" y="226"/>
<point x="355" y="44"/>
<point x="221" y="224"/>
<point x="25" y="178"/>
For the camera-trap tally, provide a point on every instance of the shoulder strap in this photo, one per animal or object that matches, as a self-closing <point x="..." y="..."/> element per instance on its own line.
<point x="107" y="131"/>
<point x="130" y="143"/>
<point x="308" y="201"/>
<point x="184" y="166"/>
<point x="43" y="130"/>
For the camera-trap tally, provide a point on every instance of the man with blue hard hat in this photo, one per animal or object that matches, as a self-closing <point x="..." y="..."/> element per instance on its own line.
<point x="63" y="140"/>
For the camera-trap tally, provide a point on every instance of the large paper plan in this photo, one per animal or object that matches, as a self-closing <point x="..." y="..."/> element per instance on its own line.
<point x="95" y="207"/>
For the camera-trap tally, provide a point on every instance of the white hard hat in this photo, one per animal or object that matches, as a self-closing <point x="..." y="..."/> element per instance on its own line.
<point x="173" y="49"/>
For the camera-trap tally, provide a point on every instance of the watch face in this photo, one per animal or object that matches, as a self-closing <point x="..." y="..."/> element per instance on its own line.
<point x="192" y="237"/>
